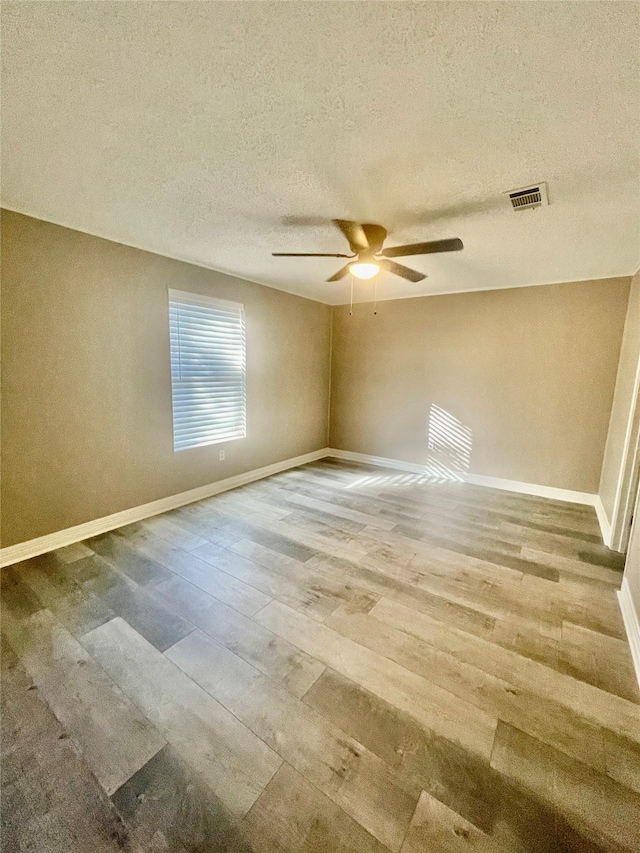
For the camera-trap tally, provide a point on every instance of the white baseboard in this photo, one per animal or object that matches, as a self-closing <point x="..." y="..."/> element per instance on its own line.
<point x="477" y="479"/>
<point x="605" y="525"/>
<point x="26" y="550"/>
<point x="631" y="624"/>
<point x="381" y="461"/>
<point x="567" y="495"/>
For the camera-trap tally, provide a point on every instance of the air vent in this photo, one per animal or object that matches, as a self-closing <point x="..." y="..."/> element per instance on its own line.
<point x="529" y="197"/>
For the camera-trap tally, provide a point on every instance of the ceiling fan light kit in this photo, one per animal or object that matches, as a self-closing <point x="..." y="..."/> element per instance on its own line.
<point x="365" y="242"/>
<point x="364" y="270"/>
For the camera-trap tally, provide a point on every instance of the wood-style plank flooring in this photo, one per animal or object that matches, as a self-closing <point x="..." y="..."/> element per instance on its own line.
<point x="338" y="658"/>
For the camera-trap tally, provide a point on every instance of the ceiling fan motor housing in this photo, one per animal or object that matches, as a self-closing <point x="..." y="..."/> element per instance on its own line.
<point x="376" y="235"/>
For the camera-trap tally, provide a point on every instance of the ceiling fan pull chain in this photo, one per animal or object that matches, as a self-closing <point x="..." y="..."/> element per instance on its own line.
<point x="351" y="305"/>
<point x="375" y="295"/>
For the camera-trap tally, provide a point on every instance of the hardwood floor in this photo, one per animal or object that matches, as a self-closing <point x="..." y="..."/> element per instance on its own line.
<point x="338" y="658"/>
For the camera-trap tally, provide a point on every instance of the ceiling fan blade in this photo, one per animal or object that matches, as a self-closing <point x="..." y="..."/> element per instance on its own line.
<point x="309" y="255"/>
<point x="340" y="274"/>
<point x="354" y="232"/>
<point x="453" y="245"/>
<point x="401" y="270"/>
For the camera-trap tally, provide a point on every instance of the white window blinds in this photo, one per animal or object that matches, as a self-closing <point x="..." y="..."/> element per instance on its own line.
<point x="208" y="369"/>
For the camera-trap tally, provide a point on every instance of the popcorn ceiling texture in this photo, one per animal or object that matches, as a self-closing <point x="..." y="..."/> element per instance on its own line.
<point x="220" y="132"/>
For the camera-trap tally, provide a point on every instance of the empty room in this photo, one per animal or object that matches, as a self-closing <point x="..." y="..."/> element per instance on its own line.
<point x="320" y="421"/>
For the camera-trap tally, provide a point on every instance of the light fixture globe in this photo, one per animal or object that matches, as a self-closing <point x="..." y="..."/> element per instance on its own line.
<point x="363" y="270"/>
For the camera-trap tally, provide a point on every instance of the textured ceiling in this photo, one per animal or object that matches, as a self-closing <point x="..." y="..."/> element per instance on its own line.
<point x="218" y="132"/>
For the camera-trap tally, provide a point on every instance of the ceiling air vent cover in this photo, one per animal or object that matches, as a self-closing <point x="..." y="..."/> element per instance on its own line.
<point x="529" y="197"/>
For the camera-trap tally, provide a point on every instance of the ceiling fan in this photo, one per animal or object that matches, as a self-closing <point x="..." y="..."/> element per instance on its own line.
<point x="366" y="242"/>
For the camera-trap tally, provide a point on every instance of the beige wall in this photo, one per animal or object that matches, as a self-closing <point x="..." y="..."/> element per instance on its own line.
<point x="86" y="406"/>
<point x="629" y="357"/>
<point x="530" y="372"/>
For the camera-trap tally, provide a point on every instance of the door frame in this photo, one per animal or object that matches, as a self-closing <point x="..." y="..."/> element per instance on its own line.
<point x="629" y="477"/>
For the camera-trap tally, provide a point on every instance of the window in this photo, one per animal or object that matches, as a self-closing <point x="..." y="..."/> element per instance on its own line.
<point x="208" y="369"/>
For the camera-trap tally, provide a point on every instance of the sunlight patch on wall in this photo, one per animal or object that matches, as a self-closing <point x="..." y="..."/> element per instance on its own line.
<point x="449" y="445"/>
<point x="448" y="459"/>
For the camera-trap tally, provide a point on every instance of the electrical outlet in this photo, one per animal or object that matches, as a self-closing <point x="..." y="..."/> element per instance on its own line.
<point x="221" y="455"/>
